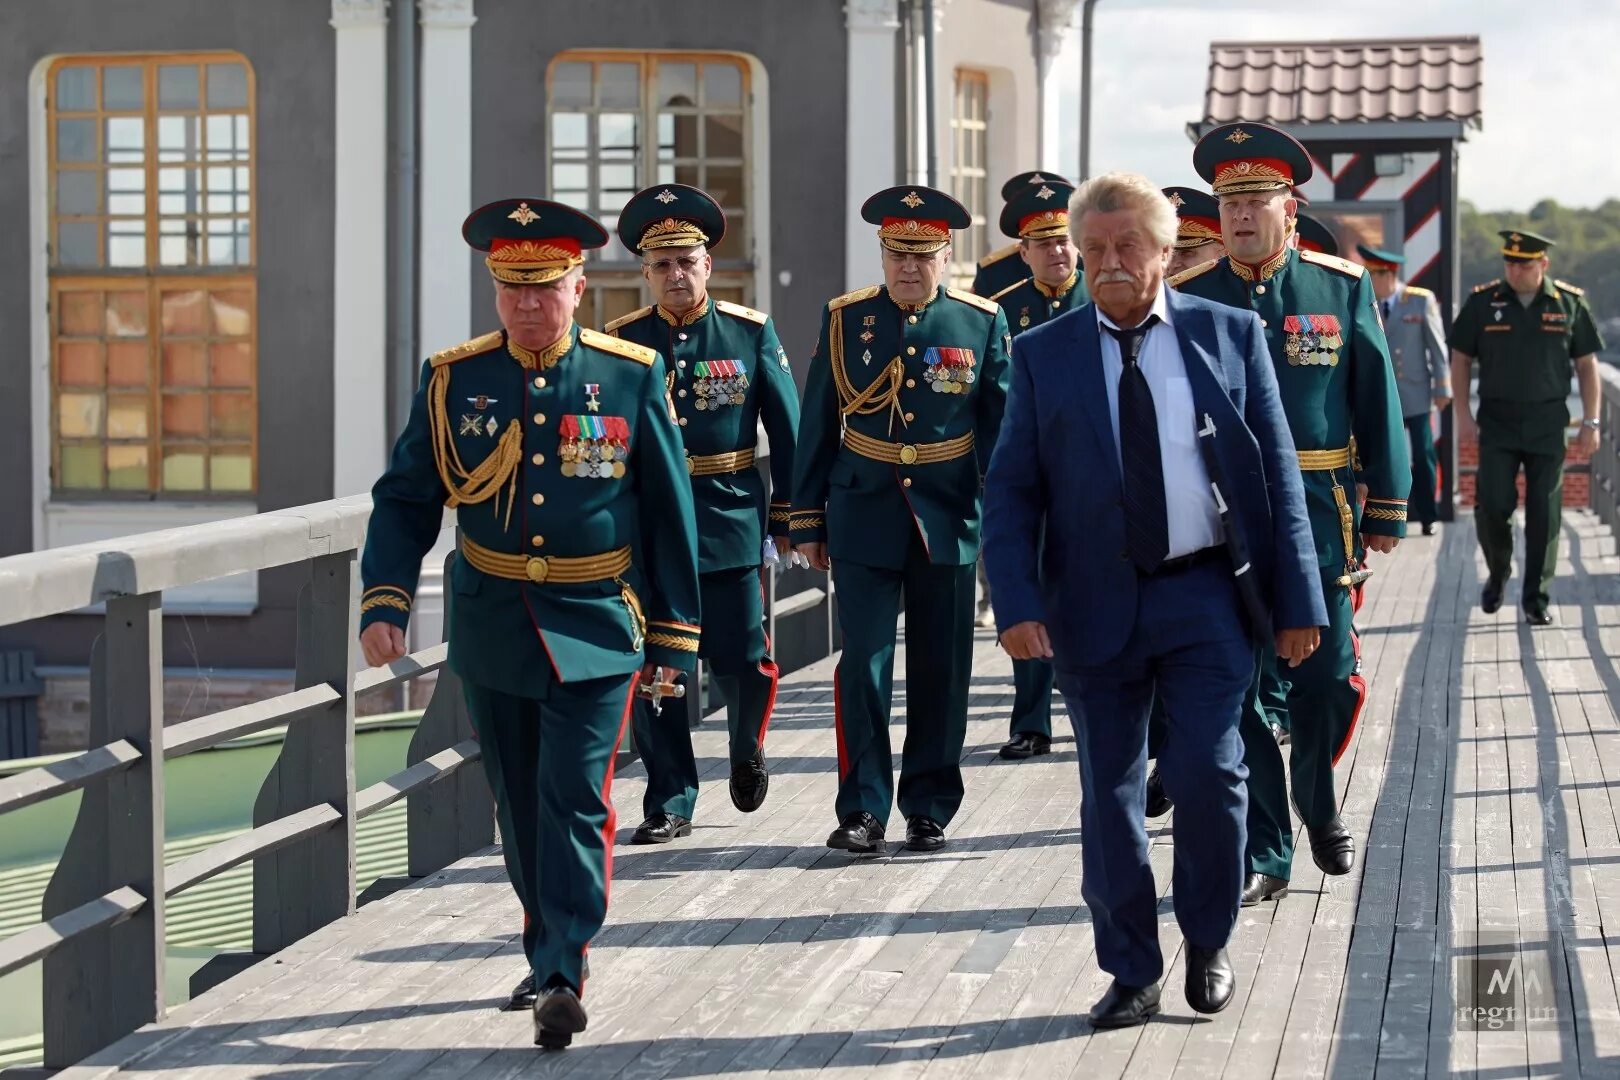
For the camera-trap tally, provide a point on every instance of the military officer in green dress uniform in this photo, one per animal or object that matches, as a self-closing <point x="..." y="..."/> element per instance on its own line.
<point x="1198" y="229"/>
<point x="1417" y="346"/>
<point x="1337" y="386"/>
<point x="727" y="372"/>
<point x="1527" y="331"/>
<point x="1038" y="217"/>
<point x="902" y="406"/>
<point x="1311" y="235"/>
<point x="557" y="448"/>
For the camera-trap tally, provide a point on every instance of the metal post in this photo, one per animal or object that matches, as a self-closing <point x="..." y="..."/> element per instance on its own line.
<point x="401" y="351"/>
<point x="930" y="93"/>
<point x="1085" y="88"/>
<point x="100" y="987"/>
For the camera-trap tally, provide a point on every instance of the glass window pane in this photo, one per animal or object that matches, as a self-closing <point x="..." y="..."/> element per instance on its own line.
<point x="617" y="131"/>
<point x="233" y="312"/>
<point x="126" y="363"/>
<point x="571" y="84"/>
<point x="619" y="85"/>
<point x="126" y="416"/>
<point x="78" y="313"/>
<point x="725" y="183"/>
<point x="126" y="140"/>
<point x="569" y="131"/>
<point x="126" y="468"/>
<point x="221" y="249"/>
<point x="685" y="142"/>
<point x="81" y="468"/>
<point x="78" y="243"/>
<point x="126" y="191"/>
<point x="722" y="136"/>
<point x="221" y="132"/>
<point x="666" y="137"/>
<point x="182" y="469"/>
<point x="178" y="192"/>
<point x="569" y="177"/>
<point x="677" y="84"/>
<point x="612" y="200"/>
<point x="185" y="416"/>
<point x="689" y="174"/>
<point x="78" y="416"/>
<point x="179" y="138"/>
<point x="126" y="243"/>
<point x="184" y="364"/>
<point x="722" y="84"/>
<point x="122" y="89"/>
<point x="75" y="140"/>
<point x="232" y="365"/>
<point x="185" y="312"/>
<point x="232" y="416"/>
<point x="77" y="192"/>
<point x="75" y="89"/>
<point x="241" y="138"/>
<point x="227" y="86"/>
<point x="126" y="314"/>
<point x="231" y="470"/>
<point x="78" y="363"/>
<point x="178" y="87"/>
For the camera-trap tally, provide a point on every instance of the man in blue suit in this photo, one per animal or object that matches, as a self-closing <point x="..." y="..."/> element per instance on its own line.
<point x="1122" y="419"/>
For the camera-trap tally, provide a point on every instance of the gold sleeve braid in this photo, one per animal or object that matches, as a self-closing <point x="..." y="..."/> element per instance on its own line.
<point x="484" y="482"/>
<point x="884" y="391"/>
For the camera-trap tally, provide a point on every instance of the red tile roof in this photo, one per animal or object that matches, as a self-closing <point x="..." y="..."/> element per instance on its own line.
<point x="1342" y="82"/>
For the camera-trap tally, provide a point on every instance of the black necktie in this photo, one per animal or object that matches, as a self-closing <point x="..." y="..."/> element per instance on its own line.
<point x="1386" y="308"/>
<point x="1147" y="527"/>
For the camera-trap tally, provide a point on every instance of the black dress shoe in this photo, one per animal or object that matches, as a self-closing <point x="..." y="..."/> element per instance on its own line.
<point x="1125" y="1006"/>
<point x="1209" y="979"/>
<point x="1538" y="618"/>
<point x="1258" y="887"/>
<point x="661" y="829"/>
<point x="924" y="834"/>
<point x="860" y="832"/>
<point x="1333" y="848"/>
<point x="558" y="1017"/>
<point x="1026" y="744"/>
<point x="1158" y="803"/>
<point x="749" y="783"/>
<point x="1490" y="597"/>
<point x="522" y="997"/>
<point x="1428" y="528"/>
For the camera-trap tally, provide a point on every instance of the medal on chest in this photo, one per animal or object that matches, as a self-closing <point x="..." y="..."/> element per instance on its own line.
<point x="1312" y="340"/>
<point x="593" y="447"/>
<point x="719" y="382"/>
<point x="949" y="370"/>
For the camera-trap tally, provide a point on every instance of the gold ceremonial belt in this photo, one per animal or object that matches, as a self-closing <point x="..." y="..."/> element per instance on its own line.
<point x="1323" y="460"/>
<point x="719" y="464"/>
<point x="554" y="570"/>
<point x="908" y="453"/>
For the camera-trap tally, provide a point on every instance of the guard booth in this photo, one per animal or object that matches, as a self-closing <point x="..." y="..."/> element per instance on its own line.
<point x="1382" y="121"/>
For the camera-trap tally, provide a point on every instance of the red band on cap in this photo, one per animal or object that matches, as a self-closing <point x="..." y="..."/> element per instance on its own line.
<point x="567" y="243"/>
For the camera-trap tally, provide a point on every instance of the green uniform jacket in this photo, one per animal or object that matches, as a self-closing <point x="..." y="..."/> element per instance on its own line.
<point x="1526" y="357"/>
<point x="887" y="359"/>
<point x="1321" y="324"/>
<point x="731" y="507"/>
<point x="501" y="416"/>
<point x="998" y="270"/>
<point x="1029" y="303"/>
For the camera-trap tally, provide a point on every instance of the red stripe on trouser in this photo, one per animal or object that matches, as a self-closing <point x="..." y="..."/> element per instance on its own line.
<point x="838" y="730"/>
<point x="610" y="826"/>
<point x="1359" y="684"/>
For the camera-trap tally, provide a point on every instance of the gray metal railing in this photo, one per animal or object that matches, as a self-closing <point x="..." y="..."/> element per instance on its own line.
<point x="1605" y="467"/>
<point x="101" y="935"/>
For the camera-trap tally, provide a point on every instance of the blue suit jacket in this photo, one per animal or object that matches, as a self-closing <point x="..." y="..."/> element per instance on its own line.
<point x="1056" y="468"/>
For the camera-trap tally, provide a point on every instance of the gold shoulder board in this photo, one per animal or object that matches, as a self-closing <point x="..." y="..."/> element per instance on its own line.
<point x="741" y="312"/>
<point x="1010" y="288"/>
<point x="1333" y="262"/>
<point x="973" y="300"/>
<point x="1567" y="287"/>
<point x="1488" y="285"/>
<point x="617" y="346"/>
<point x="853" y="297"/>
<point x="477" y="345"/>
<point x="999" y="254"/>
<point x="640" y="313"/>
<point x="1191" y="272"/>
<point x="1417" y="290"/>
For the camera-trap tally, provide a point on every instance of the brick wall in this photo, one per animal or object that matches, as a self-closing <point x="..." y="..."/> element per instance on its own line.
<point x="1576" y="483"/>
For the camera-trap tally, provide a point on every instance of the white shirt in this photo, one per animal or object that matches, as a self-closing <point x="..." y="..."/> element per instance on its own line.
<point x="1189" y="502"/>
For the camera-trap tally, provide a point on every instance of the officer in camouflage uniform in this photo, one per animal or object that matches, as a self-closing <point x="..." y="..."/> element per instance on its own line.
<point x="727" y="372"/>
<point x="1038" y="216"/>
<point x="557" y="448"/>
<point x="1337" y="384"/>
<point x="902" y="406"/>
<point x="1528" y="332"/>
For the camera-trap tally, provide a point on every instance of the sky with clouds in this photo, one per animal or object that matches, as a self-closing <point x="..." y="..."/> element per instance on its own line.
<point x="1549" y="72"/>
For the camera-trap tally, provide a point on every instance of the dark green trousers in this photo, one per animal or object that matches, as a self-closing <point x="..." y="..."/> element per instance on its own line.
<point x="1032" y="697"/>
<point x="1323" y="698"/>
<point x="550" y="767"/>
<point x="938" y="604"/>
<point x="736" y="653"/>
<point x="1503" y="450"/>
<point x="1425" y="465"/>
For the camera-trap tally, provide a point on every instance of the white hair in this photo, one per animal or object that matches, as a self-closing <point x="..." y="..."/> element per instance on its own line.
<point x="1124" y="191"/>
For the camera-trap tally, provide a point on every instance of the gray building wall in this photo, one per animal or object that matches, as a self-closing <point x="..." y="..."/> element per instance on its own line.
<point x="289" y="43"/>
<point x="802" y="45"/>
